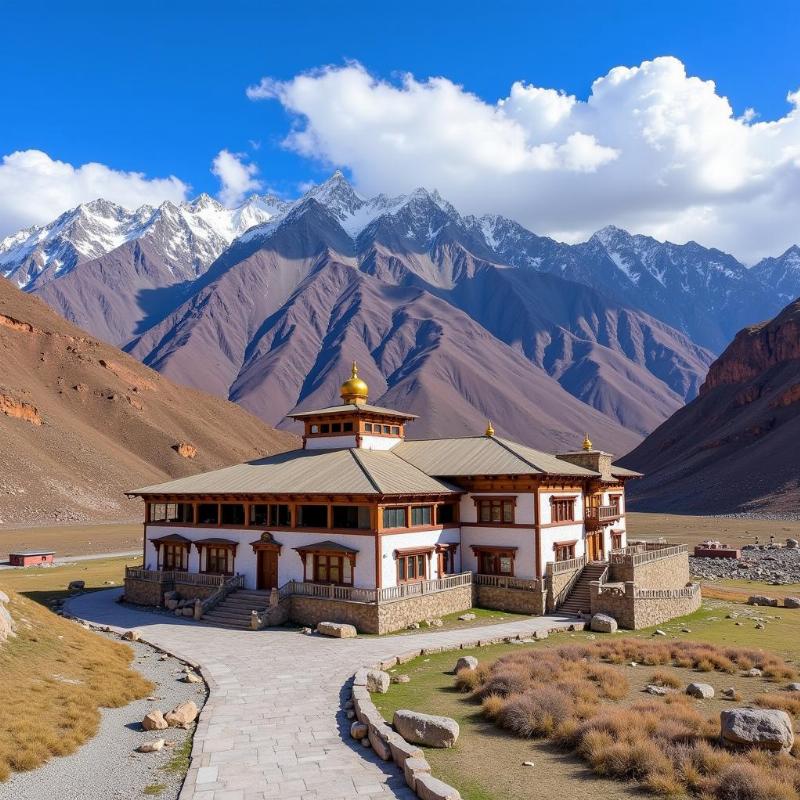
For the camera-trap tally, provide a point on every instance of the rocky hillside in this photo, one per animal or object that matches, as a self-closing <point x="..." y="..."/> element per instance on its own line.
<point x="81" y="422"/>
<point x="734" y="448"/>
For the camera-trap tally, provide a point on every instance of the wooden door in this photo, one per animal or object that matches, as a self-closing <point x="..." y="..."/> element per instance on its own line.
<point x="267" y="569"/>
<point x="595" y="547"/>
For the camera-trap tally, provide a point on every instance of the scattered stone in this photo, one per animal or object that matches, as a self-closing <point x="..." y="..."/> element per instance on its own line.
<point x="729" y="693"/>
<point x="154" y="721"/>
<point x="704" y="691"/>
<point x="761" y="600"/>
<point x="755" y="672"/>
<point x="338" y="630"/>
<point x="191" y="677"/>
<point x="539" y="635"/>
<point x="466" y="662"/>
<point x="467" y="617"/>
<point x="426" y="729"/>
<point x="185" y="450"/>
<point x="365" y="742"/>
<point x="429" y="788"/>
<point x="791" y="544"/>
<point x="793" y="687"/>
<point x="686" y="630"/>
<point x="528" y="764"/>
<point x="188" y="611"/>
<point x="791" y="602"/>
<point x="350" y="714"/>
<point x="358" y="730"/>
<point x="171" y="604"/>
<point x="434" y="623"/>
<point x="76" y="586"/>
<point x="182" y="715"/>
<point x="415" y="768"/>
<point x="659" y="632"/>
<point x="306" y="631"/>
<point x="760" y="626"/>
<point x="414" y="626"/>
<point x="602" y="623"/>
<point x="659" y="691"/>
<point x="401" y="679"/>
<point x="150" y="747"/>
<point x="378" y="681"/>
<point x="132" y="636"/>
<point x="759" y="727"/>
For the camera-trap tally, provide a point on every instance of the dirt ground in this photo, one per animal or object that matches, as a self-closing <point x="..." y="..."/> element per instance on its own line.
<point x="680" y="529"/>
<point x="73" y="540"/>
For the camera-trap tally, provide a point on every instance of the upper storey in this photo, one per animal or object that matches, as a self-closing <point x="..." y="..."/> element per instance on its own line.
<point x="354" y="423"/>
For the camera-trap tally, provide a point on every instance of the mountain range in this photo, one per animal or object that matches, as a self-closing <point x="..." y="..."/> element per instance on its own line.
<point x="733" y="448"/>
<point x="82" y="422"/>
<point x="453" y="317"/>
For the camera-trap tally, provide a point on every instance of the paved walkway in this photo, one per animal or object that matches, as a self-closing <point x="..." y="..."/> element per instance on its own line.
<point x="273" y="726"/>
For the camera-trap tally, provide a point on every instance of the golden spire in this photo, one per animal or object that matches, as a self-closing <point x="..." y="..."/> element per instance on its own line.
<point x="489" y="428"/>
<point x="354" y="390"/>
<point x="587" y="442"/>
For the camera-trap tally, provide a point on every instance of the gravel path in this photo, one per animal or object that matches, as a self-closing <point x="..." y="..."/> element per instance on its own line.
<point x="106" y="767"/>
<point x="274" y="724"/>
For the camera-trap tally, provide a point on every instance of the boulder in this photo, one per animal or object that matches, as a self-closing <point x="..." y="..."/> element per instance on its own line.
<point x="791" y="602"/>
<point x="427" y="729"/>
<point x="659" y="691"/>
<point x="171" y="604"/>
<point x="466" y="662"/>
<point x="182" y="715"/>
<point x="358" y="730"/>
<point x="415" y="768"/>
<point x="791" y="544"/>
<point x="402" y="751"/>
<point x="76" y="586"/>
<point x="401" y="678"/>
<point x="339" y="630"/>
<point x="467" y="617"/>
<point x="171" y="596"/>
<point x="132" y="636"/>
<point x="755" y="672"/>
<point x="757" y="727"/>
<point x="375" y="680"/>
<point x="150" y="747"/>
<point x="602" y="623"/>
<point x="154" y="721"/>
<point x="188" y="611"/>
<point x="730" y="692"/>
<point x="191" y="677"/>
<point x="761" y="600"/>
<point x="793" y="687"/>
<point x="430" y="788"/>
<point x="379" y="735"/>
<point x="704" y="691"/>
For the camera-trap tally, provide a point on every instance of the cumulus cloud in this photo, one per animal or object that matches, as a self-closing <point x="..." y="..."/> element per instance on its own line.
<point x="35" y="188"/>
<point x="237" y="178"/>
<point x="651" y="149"/>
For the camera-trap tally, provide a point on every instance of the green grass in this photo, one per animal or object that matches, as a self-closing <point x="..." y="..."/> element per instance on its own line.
<point x="154" y="788"/>
<point x="179" y="763"/>
<point x="45" y="584"/>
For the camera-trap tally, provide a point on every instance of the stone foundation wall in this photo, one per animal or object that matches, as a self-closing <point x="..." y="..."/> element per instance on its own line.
<point x="190" y="591"/>
<point x="145" y="593"/>
<point x="517" y="601"/>
<point x="558" y="586"/>
<point x="669" y="572"/>
<point x="653" y="611"/>
<point x="399" y="614"/>
<point x="312" y="610"/>
<point x="634" y="609"/>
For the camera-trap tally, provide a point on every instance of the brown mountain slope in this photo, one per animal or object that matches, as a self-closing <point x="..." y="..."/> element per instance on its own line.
<point x="81" y="422"/>
<point x="735" y="447"/>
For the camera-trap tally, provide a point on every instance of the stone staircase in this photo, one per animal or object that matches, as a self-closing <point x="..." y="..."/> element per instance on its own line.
<point x="578" y="600"/>
<point x="234" y="610"/>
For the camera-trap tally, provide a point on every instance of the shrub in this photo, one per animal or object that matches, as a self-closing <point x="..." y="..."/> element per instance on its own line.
<point x="745" y="781"/>
<point x="663" y="678"/>
<point x="492" y="705"/>
<point x="782" y="702"/>
<point x="536" y="713"/>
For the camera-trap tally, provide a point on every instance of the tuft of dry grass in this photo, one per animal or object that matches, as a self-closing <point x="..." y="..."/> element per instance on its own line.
<point x="570" y="697"/>
<point x="56" y="676"/>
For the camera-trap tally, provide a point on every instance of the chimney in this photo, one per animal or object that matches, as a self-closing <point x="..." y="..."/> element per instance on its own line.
<point x="589" y="458"/>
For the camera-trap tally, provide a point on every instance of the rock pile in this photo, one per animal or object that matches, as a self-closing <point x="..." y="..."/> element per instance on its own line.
<point x="772" y="563"/>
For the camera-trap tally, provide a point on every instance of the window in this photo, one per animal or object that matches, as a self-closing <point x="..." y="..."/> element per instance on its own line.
<point x="347" y="426"/>
<point x="174" y="556"/>
<point x="394" y="518"/>
<point x="158" y="512"/>
<point x="564" y="550"/>
<point x="495" y="561"/>
<point x="421" y="515"/>
<point x="314" y="429"/>
<point x="273" y="514"/>
<point x="324" y="428"/>
<point x="396" y="430"/>
<point x="447" y="559"/>
<point x="562" y="509"/>
<point x="498" y="510"/>
<point x="208" y="514"/>
<point x="315" y="516"/>
<point x="351" y="517"/>
<point x="336" y="427"/>
<point x="412" y="567"/>
<point x="219" y="560"/>
<point x="614" y="502"/>
<point x="333" y="568"/>
<point x="387" y="429"/>
<point x="446" y="513"/>
<point x="232" y="513"/>
<point x="616" y="540"/>
<point x="368" y="427"/>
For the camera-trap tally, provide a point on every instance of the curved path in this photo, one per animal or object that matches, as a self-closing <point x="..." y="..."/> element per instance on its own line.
<point x="273" y="726"/>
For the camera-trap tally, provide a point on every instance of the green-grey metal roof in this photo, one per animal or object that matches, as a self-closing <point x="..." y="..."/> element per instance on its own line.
<point x="483" y="455"/>
<point x="341" y="471"/>
<point x="348" y="407"/>
<point x="622" y="472"/>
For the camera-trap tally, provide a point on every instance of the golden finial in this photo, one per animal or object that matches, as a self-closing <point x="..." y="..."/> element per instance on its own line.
<point x="354" y="390"/>
<point x="489" y="428"/>
<point x="587" y="442"/>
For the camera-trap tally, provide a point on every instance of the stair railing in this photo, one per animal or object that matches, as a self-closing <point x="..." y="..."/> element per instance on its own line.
<point x="227" y="586"/>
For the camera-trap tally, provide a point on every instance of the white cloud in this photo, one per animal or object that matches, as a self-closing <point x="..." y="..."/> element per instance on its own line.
<point x="651" y="149"/>
<point x="35" y="188"/>
<point x="237" y="178"/>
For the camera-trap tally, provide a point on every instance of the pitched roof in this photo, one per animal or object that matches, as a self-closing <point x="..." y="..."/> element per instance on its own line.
<point x="349" y="407"/>
<point x="622" y="472"/>
<point x="483" y="455"/>
<point x="342" y="471"/>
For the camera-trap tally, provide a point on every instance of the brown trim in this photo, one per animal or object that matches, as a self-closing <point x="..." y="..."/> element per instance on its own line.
<point x="493" y="548"/>
<point x="537" y="532"/>
<point x="478" y="498"/>
<point x="565" y="543"/>
<point x="266" y="542"/>
<point x="498" y="552"/>
<point x="413" y="551"/>
<point x="562" y="524"/>
<point x="520" y="525"/>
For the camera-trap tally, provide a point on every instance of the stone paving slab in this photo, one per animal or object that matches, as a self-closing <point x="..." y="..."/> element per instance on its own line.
<point x="273" y="725"/>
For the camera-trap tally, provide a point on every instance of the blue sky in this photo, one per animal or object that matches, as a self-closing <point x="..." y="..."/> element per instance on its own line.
<point x="159" y="88"/>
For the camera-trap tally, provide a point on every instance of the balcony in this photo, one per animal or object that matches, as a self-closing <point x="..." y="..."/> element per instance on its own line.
<point x="598" y="516"/>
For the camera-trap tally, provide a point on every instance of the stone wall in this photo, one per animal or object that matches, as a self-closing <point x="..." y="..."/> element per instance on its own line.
<point x="667" y="572"/>
<point x="517" y="601"/>
<point x="145" y="593"/>
<point x="559" y="586"/>
<point x="191" y="591"/>
<point x="635" y="608"/>
<point x="312" y="610"/>
<point x="399" y="614"/>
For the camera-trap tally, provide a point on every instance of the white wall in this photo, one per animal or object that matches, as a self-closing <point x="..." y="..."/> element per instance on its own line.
<point x="545" y="509"/>
<point x="561" y="533"/>
<point x="379" y="442"/>
<point x="330" y="442"/>
<point x="523" y="515"/>
<point x="402" y="541"/>
<point x="524" y="540"/>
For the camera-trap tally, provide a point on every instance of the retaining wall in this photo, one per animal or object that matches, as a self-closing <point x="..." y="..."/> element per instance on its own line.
<point x="517" y="601"/>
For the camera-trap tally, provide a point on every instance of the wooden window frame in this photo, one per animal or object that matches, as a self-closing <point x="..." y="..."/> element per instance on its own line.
<point x="384" y="526"/>
<point x="496" y="553"/>
<point x="446" y="558"/>
<point x="421" y="524"/>
<point x="564" y="551"/>
<point x="616" y="539"/>
<point x="562" y="509"/>
<point x="503" y="502"/>
<point x="217" y="550"/>
<point x="174" y="549"/>
<point x="313" y="563"/>
<point x="412" y="556"/>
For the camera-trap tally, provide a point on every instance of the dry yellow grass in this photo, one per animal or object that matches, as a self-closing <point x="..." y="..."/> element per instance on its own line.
<point x="568" y="696"/>
<point x="56" y="675"/>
